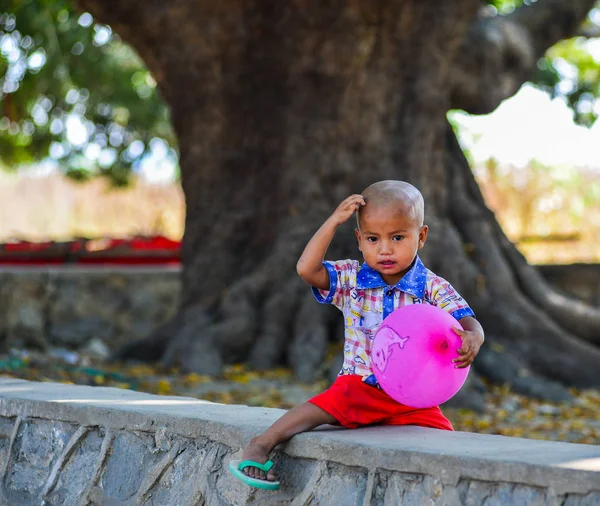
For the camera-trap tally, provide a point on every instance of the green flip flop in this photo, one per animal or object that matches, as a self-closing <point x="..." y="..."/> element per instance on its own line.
<point x="236" y="467"/>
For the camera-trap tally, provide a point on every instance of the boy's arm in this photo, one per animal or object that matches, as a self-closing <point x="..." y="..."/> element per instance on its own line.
<point x="472" y="338"/>
<point x="310" y="265"/>
<point x="470" y="324"/>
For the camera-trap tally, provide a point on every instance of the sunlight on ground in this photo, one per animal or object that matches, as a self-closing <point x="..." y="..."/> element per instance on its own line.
<point x="583" y="464"/>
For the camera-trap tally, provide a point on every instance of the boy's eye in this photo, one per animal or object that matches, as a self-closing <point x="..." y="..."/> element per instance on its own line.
<point x="372" y="239"/>
<point x="398" y="237"/>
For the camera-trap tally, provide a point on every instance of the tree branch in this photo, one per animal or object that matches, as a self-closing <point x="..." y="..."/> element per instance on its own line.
<point x="500" y="53"/>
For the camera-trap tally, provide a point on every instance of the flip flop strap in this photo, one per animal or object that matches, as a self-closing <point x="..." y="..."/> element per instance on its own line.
<point x="266" y="467"/>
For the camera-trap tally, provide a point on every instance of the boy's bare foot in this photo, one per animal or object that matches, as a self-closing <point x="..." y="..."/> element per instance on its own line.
<point x="258" y="452"/>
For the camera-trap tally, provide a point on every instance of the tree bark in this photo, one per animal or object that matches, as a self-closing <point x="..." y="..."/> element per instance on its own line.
<point x="282" y="109"/>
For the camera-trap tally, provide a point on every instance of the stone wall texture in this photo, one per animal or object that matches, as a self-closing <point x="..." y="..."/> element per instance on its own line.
<point x="77" y="445"/>
<point x="70" y="306"/>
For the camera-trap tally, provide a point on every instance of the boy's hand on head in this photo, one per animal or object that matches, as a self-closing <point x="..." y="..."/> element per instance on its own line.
<point x="347" y="208"/>
<point x="471" y="343"/>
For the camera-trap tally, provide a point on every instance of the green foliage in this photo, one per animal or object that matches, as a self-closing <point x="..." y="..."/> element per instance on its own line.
<point x="71" y="90"/>
<point x="506" y="6"/>
<point x="571" y="71"/>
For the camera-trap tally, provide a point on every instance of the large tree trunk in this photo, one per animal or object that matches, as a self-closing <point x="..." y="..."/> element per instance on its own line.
<point x="283" y="108"/>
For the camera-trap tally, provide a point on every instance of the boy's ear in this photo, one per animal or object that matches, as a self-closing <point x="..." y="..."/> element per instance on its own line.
<point x="423" y="235"/>
<point x="357" y="232"/>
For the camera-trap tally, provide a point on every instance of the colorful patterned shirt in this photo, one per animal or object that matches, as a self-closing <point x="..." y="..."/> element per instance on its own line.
<point x="365" y="300"/>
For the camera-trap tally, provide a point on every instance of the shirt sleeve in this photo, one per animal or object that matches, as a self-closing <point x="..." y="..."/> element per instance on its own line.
<point x="342" y="280"/>
<point x="444" y="296"/>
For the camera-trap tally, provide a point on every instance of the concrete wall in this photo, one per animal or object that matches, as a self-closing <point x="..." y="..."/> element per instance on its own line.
<point x="76" y="445"/>
<point x="70" y="306"/>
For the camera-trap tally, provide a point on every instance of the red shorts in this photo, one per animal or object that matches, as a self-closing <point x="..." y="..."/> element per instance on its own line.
<point x="353" y="403"/>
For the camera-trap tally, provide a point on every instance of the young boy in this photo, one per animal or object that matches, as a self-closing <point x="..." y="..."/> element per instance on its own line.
<point x="390" y="232"/>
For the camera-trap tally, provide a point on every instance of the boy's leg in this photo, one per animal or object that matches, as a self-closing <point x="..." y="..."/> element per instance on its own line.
<point x="302" y="418"/>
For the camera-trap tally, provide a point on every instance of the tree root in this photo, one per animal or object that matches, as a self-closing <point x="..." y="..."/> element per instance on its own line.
<point x="309" y="345"/>
<point x="279" y="311"/>
<point x="570" y="313"/>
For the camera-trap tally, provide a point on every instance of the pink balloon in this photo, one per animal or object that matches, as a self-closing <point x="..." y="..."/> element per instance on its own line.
<point x="412" y="356"/>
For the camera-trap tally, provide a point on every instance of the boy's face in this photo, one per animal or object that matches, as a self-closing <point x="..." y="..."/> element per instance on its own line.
<point x="389" y="238"/>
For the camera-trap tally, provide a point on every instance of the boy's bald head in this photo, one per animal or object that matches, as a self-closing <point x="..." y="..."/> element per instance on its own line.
<point x="397" y="194"/>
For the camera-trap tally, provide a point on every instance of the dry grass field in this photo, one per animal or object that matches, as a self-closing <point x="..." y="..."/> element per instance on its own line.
<point x="54" y="208"/>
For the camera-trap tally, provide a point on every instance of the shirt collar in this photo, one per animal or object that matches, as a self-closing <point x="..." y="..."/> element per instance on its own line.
<point x="413" y="282"/>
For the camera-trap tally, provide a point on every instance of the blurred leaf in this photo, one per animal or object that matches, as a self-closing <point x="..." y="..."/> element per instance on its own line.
<point x="195" y="379"/>
<point x="72" y="90"/>
<point x="164" y="387"/>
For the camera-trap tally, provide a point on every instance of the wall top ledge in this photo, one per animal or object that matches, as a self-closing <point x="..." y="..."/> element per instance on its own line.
<point x="450" y="456"/>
